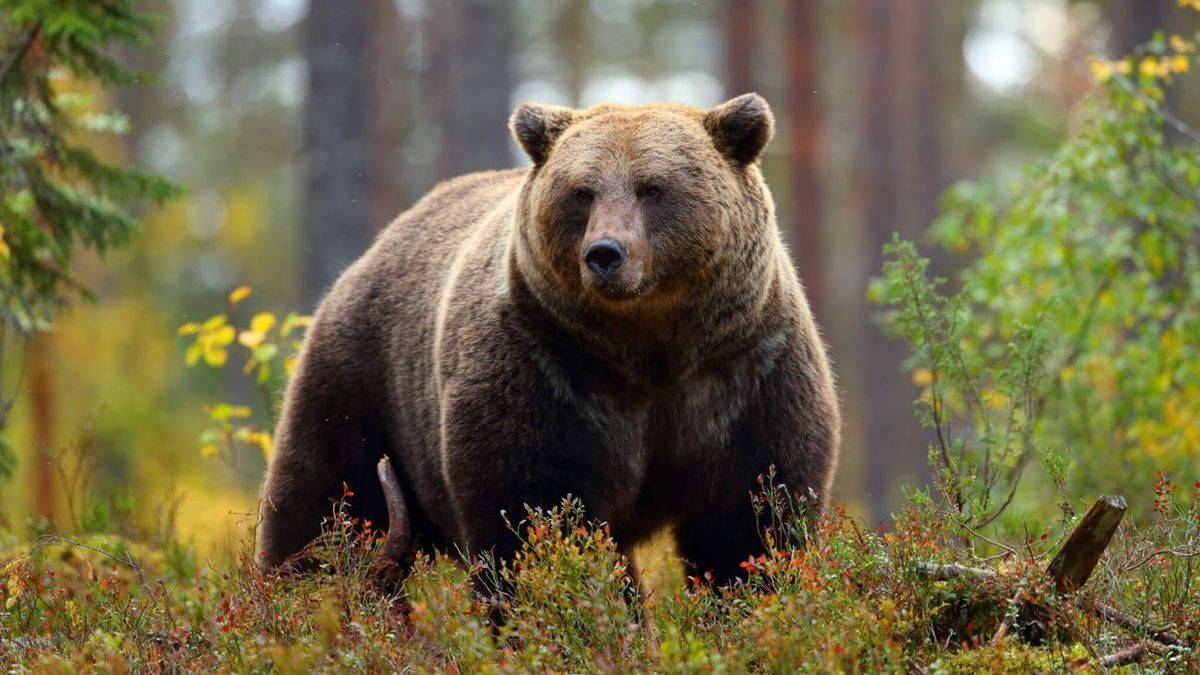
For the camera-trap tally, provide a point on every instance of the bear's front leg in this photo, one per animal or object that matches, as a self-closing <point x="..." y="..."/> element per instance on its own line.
<point x="791" y="425"/>
<point x="501" y="454"/>
<point x="510" y="441"/>
<point x="715" y="542"/>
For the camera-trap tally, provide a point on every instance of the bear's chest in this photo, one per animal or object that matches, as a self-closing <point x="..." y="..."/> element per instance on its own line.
<point x="662" y="446"/>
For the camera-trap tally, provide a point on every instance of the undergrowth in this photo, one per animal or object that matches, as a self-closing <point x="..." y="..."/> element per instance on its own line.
<point x="828" y="595"/>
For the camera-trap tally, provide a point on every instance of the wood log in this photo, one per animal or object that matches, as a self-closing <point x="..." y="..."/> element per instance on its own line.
<point x="1073" y="565"/>
<point x="1126" y="656"/>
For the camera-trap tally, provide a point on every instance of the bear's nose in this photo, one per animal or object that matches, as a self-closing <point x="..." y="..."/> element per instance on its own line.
<point x="604" y="256"/>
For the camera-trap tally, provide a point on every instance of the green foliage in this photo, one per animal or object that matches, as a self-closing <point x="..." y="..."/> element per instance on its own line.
<point x="972" y="375"/>
<point x="57" y="195"/>
<point x="1080" y="306"/>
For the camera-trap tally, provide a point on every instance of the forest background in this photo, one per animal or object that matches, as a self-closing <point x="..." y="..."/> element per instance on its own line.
<point x="298" y="129"/>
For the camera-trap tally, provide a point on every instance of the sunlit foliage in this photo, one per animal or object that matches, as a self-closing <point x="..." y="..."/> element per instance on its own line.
<point x="1075" y="327"/>
<point x="270" y="348"/>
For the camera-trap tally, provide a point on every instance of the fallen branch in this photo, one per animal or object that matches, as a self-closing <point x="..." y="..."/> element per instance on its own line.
<point x="1126" y="656"/>
<point x="946" y="572"/>
<point x="396" y="554"/>
<point x="1137" y="626"/>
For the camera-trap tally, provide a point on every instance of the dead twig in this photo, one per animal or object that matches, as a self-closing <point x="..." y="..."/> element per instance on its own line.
<point x="126" y="560"/>
<point x="1016" y="603"/>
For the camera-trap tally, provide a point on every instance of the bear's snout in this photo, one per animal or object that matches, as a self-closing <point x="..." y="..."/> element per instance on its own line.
<point x="604" y="256"/>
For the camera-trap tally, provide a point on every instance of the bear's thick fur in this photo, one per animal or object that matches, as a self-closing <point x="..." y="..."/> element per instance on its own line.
<point x="619" y="322"/>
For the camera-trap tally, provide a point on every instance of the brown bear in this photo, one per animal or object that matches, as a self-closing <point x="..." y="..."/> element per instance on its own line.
<point x="619" y="322"/>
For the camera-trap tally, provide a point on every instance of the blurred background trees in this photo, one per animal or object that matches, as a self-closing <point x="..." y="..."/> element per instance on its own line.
<point x="58" y="196"/>
<point x="301" y="127"/>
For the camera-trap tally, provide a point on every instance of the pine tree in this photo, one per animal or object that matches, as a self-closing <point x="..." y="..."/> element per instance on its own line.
<point x="57" y="196"/>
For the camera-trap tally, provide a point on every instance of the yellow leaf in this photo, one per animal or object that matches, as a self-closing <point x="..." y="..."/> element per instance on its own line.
<point x="193" y="355"/>
<point x="293" y="321"/>
<point x="289" y="364"/>
<point x="239" y="411"/>
<point x="1124" y="66"/>
<point x="1067" y="373"/>
<point x="921" y="377"/>
<point x="239" y="294"/>
<point x="1100" y="69"/>
<point x="215" y="356"/>
<point x="213" y="323"/>
<point x="262" y="322"/>
<point x="996" y="400"/>
<point x="1163" y="381"/>
<point x="251" y="338"/>
<point x="223" y="336"/>
<point x="264" y="442"/>
<point x="1180" y="64"/>
<point x="189" y="328"/>
<point x="209" y="450"/>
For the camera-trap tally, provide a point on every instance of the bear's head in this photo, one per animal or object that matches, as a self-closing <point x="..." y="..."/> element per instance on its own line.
<point x="629" y="206"/>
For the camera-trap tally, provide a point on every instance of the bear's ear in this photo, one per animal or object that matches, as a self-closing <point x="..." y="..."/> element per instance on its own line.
<point x="741" y="127"/>
<point x="537" y="125"/>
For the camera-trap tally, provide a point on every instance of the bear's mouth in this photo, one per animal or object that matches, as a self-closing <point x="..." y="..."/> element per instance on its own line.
<point x="616" y="291"/>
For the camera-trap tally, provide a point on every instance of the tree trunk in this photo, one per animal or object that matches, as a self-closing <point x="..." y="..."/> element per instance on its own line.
<point x="338" y="177"/>
<point x="39" y="356"/>
<point x="804" y="122"/>
<point x="573" y="42"/>
<point x="1134" y="22"/>
<point x="741" y="43"/>
<point x="389" y="112"/>
<point x="472" y="79"/>
<point x="900" y="179"/>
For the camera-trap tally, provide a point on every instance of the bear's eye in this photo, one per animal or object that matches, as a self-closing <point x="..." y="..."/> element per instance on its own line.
<point x="584" y="196"/>
<point x="652" y="192"/>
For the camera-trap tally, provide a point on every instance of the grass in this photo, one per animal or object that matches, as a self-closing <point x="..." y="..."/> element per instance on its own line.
<point x="827" y="596"/>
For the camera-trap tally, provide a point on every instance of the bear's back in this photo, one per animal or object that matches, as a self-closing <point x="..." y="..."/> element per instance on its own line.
<point x="387" y="302"/>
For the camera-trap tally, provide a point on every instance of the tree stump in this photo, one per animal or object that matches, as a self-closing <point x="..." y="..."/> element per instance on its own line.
<point x="1073" y="565"/>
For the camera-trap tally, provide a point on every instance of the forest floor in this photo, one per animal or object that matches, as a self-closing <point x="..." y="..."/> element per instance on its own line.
<point x="828" y="596"/>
